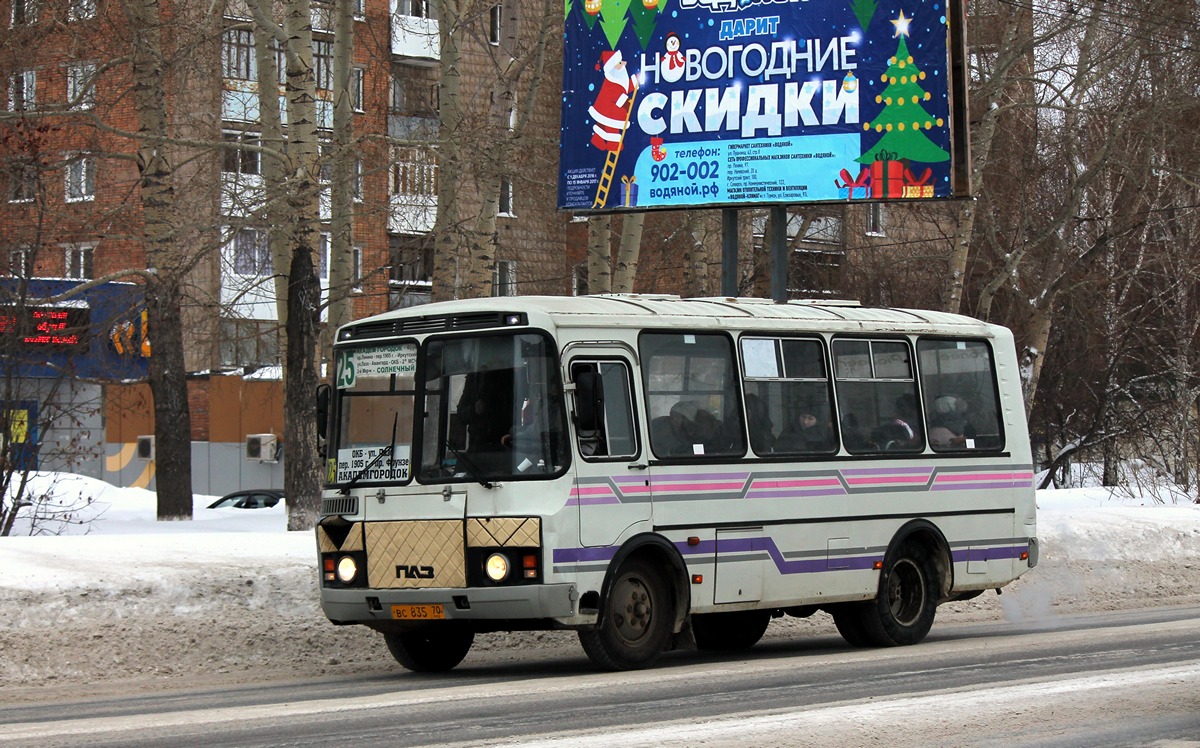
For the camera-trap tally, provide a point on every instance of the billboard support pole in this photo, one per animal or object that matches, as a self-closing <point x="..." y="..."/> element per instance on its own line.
<point x="729" y="252"/>
<point x="778" y="243"/>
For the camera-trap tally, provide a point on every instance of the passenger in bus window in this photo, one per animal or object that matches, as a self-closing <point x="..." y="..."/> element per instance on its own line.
<point x="908" y="413"/>
<point x="687" y="431"/>
<point x="805" y="433"/>
<point x="486" y="409"/>
<point x="707" y="433"/>
<point x="949" y="425"/>
<point x="670" y="435"/>
<point x="762" y="429"/>
<point x="853" y="436"/>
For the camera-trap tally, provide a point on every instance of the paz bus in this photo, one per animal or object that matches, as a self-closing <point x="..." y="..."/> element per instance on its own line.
<point x="655" y="472"/>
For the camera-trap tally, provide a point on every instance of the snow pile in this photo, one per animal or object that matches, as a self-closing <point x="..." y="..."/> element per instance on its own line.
<point x="232" y="595"/>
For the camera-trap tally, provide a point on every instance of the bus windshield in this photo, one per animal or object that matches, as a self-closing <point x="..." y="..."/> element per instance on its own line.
<point x="377" y="389"/>
<point x="493" y="409"/>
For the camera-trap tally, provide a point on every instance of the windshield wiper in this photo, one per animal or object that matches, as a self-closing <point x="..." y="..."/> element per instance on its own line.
<point x="385" y="452"/>
<point x="471" y="467"/>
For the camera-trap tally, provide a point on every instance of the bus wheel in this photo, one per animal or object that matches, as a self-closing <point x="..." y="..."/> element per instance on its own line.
<point x="730" y="631"/>
<point x="902" y="613"/>
<point x="432" y="649"/>
<point x="848" y="617"/>
<point x="635" y="622"/>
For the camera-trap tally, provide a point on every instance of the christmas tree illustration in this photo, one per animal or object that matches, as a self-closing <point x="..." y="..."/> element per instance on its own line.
<point x="903" y="120"/>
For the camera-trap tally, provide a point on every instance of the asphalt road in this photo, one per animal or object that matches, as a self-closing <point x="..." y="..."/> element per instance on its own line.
<point x="1115" y="679"/>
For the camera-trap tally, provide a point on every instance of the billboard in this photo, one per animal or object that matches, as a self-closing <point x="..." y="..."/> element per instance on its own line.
<point x="680" y="103"/>
<point x="100" y="333"/>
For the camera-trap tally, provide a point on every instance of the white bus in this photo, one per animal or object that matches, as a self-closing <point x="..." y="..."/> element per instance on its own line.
<point x="651" y="471"/>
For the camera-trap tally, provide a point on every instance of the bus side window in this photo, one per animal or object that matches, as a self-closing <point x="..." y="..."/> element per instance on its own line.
<point x="877" y="396"/>
<point x="959" y="383"/>
<point x="604" y="409"/>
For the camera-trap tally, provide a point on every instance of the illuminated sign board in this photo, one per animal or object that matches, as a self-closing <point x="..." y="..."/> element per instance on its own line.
<point x="98" y="332"/>
<point x="701" y="103"/>
<point x="47" y="327"/>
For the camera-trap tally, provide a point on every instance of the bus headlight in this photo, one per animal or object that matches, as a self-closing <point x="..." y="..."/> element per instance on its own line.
<point x="347" y="569"/>
<point x="496" y="567"/>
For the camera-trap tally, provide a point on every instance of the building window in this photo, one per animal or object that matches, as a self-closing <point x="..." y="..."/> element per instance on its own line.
<point x="323" y="63"/>
<point x="396" y="101"/>
<point x="360" y="11"/>
<point x="81" y="179"/>
<point x="875" y="219"/>
<point x="411" y="260"/>
<point x="495" y="22"/>
<point x="236" y="158"/>
<point x="22" y="91"/>
<point x="580" y="280"/>
<point x="357" y="188"/>
<point x="25" y="12"/>
<point x="22" y="181"/>
<point x="237" y="55"/>
<point x="506" y="197"/>
<point x="356" y="89"/>
<point x="415" y="8"/>
<point x="504" y="281"/>
<point x="248" y="342"/>
<point x="81" y="10"/>
<point x="323" y="248"/>
<point x="18" y="262"/>
<point x="251" y="253"/>
<point x="78" y="263"/>
<point x="356" y="270"/>
<point x="81" y="86"/>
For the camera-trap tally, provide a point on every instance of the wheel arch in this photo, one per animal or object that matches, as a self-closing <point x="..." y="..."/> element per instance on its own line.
<point x="929" y="536"/>
<point x="657" y="550"/>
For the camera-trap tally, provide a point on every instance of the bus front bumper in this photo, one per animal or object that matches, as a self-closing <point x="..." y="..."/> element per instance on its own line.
<point x="527" y="602"/>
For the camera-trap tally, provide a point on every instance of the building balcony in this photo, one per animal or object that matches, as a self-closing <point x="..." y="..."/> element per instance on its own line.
<point x="411" y="214"/>
<point x="415" y="39"/>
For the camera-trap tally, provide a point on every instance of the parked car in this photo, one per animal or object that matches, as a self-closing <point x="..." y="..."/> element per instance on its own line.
<point x="258" y="498"/>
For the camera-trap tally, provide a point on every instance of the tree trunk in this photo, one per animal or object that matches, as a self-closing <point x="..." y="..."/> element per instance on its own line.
<point x="599" y="254"/>
<point x="167" y="374"/>
<point x="449" y="219"/>
<point x="301" y="475"/>
<point x="341" y="245"/>
<point x="628" y="252"/>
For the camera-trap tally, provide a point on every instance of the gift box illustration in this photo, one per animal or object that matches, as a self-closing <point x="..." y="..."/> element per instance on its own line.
<point x="629" y="191"/>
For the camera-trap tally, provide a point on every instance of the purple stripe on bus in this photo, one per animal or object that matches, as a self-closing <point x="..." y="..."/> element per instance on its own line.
<point x="568" y="555"/>
<point x="995" y="553"/>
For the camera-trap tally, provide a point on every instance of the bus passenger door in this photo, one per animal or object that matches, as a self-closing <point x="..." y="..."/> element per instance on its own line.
<point x="611" y="489"/>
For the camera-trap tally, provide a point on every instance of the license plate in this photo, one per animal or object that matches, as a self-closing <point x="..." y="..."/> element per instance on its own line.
<point x="418" y="612"/>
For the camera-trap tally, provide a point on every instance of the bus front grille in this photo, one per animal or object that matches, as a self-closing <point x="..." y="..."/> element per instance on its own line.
<point x="339" y="505"/>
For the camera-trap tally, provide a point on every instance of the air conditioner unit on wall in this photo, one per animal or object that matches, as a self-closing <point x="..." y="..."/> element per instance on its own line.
<point x="145" y="448"/>
<point x="262" y="448"/>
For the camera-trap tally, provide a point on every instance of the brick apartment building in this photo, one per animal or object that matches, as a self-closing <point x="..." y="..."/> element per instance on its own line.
<point x="72" y="210"/>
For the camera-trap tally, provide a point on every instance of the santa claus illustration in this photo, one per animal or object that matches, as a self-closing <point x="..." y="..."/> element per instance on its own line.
<point x="612" y="108"/>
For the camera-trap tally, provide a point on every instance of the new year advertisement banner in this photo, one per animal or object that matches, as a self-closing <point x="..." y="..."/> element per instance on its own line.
<point x="678" y="103"/>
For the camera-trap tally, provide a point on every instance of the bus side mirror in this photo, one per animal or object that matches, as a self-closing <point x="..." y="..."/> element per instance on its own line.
<point x="589" y="400"/>
<point x="324" y="392"/>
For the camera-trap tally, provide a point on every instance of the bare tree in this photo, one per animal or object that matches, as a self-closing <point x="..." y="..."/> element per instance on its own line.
<point x="301" y="291"/>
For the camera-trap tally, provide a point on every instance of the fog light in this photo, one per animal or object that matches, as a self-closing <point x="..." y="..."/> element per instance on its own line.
<point x="496" y="567"/>
<point x="346" y="569"/>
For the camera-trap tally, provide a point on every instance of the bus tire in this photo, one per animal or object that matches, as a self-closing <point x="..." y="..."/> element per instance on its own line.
<point x="848" y="617"/>
<point x="902" y="612"/>
<point x="730" y="631"/>
<point x="636" y="620"/>
<point x="431" y="649"/>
